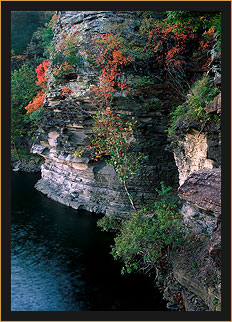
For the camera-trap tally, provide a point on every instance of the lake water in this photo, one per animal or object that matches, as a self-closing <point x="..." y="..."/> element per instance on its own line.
<point x="60" y="259"/>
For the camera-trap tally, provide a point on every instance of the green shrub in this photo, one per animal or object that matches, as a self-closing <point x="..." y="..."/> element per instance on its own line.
<point x="67" y="50"/>
<point x="73" y="58"/>
<point x="34" y="120"/>
<point x="143" y="80"/>
<point x="201" y="21"/>
<point x="23" y="89"/>
<point x="143" y="240"/>
<point x="194" y="109"/>
<point x="109" y="223"/>
<point x="64" y="71"/>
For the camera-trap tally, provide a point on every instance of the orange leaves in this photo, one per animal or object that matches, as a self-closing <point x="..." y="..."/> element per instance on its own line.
<point x="36" y="103"/>
<point x="106" y="51"/>
<point x="40" y="72"/>
<point x="208" y="40"/>
<point x="66" y="91"/>
<point x="118" y="58"/>
<point x="122" y="85"/>
<point x="42" y="82"/>
<point x="170" y="42"/>
<point x="211" y="30"/>
<point x="63" y="70"/>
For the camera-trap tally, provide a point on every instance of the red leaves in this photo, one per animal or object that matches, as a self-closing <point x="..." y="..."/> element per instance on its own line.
<point x="42" y="82"/>
<point x="208" y="39"/>
<point x="106" y="51"/>
<point x="40" y="71"/>
<point x="66" y="91"/>
<point x="169" y="42"/>
<point x="36" y="103"/>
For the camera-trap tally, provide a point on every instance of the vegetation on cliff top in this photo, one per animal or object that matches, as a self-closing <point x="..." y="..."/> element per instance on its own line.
<point x="194" y="108"/>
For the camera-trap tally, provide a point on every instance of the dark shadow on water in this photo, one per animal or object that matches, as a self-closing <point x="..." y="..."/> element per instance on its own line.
<point x="61" y="261"/>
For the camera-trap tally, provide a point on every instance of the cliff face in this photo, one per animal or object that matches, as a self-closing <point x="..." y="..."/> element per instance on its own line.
<point x="195" y="277"/>
<point x="197" y="269"/>
<point x="77" y="181"/>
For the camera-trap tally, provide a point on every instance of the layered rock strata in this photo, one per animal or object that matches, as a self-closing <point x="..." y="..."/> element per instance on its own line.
<point x="78" y="181"/>
<point x="193" y="282"/>
<point x="195" y="277"/>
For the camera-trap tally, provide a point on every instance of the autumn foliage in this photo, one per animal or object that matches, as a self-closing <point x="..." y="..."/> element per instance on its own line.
<point x="65" y="92"/>
<point x="41" y="73"/>
<point x="37" y="101"/>
<point x="170" y="43"/>
<point x="208" y="40"/>
<point x="106" y="52"/>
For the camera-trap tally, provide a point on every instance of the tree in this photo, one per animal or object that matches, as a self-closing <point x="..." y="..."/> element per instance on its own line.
<point x="23" y="25"/>
<point x="23" y="89"/>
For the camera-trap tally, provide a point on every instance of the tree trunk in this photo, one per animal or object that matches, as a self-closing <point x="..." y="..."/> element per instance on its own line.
<point x="131" y="201"/>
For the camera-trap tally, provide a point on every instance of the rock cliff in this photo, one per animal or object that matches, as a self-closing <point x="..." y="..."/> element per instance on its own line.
<point x="77" y="181"/>
<point x="80" y="183"/>
<point x="196" y="270"/>
<point x="195" y="277"/>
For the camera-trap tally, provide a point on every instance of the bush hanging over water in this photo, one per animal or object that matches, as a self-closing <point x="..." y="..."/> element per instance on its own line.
<point x="144" y="239"/>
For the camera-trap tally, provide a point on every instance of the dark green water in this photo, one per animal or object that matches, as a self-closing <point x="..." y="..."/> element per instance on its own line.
<point x="60" y="260"/>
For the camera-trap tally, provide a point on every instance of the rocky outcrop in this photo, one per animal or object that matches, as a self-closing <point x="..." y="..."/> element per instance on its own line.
<point x="196" y="270"/>
<point x="198" y="146"/>
<point x="31" y="164"/>
<point x="77" y="181"/>
<point x="193" y="282"/>
<point x="195" y="151"/>
<point x="70" y="176"/>
<point x="203" y="188"/>
<point x="202" y="195"/>
<point x="215" y="106"/>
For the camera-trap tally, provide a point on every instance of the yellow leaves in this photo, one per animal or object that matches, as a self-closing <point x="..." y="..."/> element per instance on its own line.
<point x="78" y="153"/>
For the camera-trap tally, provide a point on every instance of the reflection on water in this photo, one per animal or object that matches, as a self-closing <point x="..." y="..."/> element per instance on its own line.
<point x="60" y="259"/>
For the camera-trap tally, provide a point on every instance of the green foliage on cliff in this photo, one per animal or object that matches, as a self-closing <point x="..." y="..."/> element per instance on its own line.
<point x="111" y="139"/>
<point x="23" y="89"/>
<point x="201" y="21"/>
<point x="144" y="239"/>
<point x="194" y="109"/>
<point x="31" y="36"/>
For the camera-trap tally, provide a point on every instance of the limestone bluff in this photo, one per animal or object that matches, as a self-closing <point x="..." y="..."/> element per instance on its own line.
<point x="192" y="160"/>
<point x="77" y="182"/>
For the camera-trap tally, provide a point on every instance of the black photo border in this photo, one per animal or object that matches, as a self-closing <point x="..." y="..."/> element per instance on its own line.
<point x="6" y="313"/>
